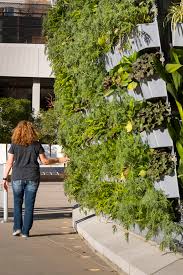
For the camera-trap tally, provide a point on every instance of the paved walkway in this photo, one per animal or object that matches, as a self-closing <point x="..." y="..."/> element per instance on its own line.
<point x="53" y="248"/>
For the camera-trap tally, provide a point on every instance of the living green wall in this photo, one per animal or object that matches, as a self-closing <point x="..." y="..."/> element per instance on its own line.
<point x="111" y="171"/>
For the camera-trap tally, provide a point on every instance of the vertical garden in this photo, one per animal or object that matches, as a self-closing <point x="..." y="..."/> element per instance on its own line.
<point x="114" y="111"/>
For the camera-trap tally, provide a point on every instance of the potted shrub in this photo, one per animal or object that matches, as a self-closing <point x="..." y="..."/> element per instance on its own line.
<point x="151" y="121"/>
<point x="162" y="170"/>
<point x="144" y="71"/>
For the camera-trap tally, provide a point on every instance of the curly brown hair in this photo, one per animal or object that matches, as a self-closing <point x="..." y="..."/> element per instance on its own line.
<point x="24" y="133"/>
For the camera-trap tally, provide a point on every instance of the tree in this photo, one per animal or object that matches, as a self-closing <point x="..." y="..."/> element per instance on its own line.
<point x="47" y="124"/>
<point x="12" y="111"/>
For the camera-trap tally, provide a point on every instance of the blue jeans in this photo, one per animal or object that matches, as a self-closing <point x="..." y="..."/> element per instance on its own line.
<point x="24" y="190"/>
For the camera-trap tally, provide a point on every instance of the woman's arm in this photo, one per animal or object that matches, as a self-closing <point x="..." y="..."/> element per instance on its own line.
<point x="7" y="169"/>
<point x="47" y="161"/>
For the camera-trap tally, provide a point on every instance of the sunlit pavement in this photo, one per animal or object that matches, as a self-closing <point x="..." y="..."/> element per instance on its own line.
<point x="53" y="247"/>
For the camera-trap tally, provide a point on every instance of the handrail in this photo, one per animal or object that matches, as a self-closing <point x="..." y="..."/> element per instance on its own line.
<point x="5" y="199"/>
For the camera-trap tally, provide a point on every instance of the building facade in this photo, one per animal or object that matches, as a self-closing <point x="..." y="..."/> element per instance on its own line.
<point x="25" y="71"/>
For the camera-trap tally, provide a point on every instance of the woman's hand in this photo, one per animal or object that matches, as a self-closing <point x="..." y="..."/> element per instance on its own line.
<point x="64" y="160"/>
<point x="5" y="185"/>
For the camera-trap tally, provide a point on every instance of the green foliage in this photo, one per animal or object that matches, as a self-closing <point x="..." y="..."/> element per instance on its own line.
<point x="152" y="116"/>
<point x="47" y="124"/>
<point x="161" y="163"/>
<point x="175" y="14"/>
<point x="143" y="67"/>
<point x="121" y="75"/>
<point x="130" y="71"/>
<point x="109" y="167"/>
<point x="141" y="162"/>
<point x="12" y="111"/>
<point x="173" y="75"/>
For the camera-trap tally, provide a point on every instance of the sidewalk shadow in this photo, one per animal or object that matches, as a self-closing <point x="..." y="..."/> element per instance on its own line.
<point x="48" y="213"/>
<point x="52" y="234"/>
<point x="10" y="213"/>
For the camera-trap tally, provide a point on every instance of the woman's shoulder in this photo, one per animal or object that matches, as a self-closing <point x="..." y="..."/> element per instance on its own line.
<point x="36" y="143"/>
<point x="38" y="147"/>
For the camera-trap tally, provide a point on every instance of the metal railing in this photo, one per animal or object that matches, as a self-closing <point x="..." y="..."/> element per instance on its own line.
<point x="4" y="196"/>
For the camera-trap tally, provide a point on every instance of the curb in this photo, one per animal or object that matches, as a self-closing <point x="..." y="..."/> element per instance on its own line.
<point x="136" y="257"/>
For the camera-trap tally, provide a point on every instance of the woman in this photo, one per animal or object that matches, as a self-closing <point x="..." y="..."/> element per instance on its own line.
<point x="23" y="159"/>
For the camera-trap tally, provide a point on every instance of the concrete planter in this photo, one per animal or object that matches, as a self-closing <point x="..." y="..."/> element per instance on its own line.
<point x="113" y="57"/>
<point x="169" y="185"/>
<point x="136" y="94"/>
<point x="177" y="36"/>
<point x="145" y="36"/>
<point x="157" y="138"/>
<point x="112" y="97"/>
<point x="155" y="87"/>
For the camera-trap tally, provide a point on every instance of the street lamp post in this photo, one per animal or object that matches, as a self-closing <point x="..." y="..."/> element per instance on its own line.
<point x="5" y="192"/>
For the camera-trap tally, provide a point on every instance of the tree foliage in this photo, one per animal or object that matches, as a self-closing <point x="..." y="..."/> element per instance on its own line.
<point x="47" y="125"/>
<point x="12" y="111"/>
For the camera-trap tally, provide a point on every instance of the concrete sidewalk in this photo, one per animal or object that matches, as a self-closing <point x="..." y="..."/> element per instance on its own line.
<point x="53" y="248"/>
<point x="136" y="257"/>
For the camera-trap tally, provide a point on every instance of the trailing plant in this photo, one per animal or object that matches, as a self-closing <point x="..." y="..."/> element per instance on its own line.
<point x="175" y="14"/>
<point x="152" y="116"/>
<point x="92" y="129"/>
<point x="172" y="73"/>
<point x="142" y="161"/>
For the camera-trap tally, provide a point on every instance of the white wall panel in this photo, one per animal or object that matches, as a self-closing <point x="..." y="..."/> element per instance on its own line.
<point x="24" y="60"/>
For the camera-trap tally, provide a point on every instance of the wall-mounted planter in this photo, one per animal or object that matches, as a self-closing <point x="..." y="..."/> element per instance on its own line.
<point x="113" y="57"/>
<point x="113" y="97"/>
<point x="155" y="87"/>
<point x="136" y="94"/>
<point x="169" y="185"/>
<point x="145" y="36"/>
<point x="157" y="138"/>
<point x="177" y="36"/>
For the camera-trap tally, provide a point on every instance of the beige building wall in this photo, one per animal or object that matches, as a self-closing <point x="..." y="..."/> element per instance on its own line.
<point x="24" y="60"/>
